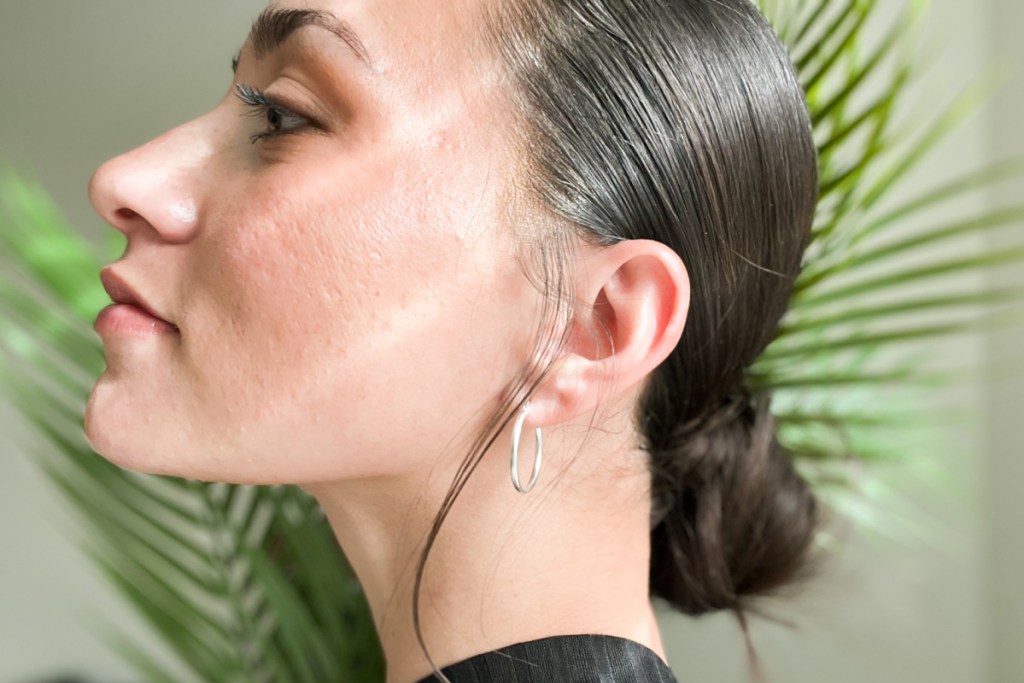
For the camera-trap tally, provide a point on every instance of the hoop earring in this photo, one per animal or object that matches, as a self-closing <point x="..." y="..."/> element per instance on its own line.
<point x="516" y="431"/>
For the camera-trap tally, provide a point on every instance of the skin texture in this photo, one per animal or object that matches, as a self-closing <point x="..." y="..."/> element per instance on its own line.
<point x="349" y="307"/>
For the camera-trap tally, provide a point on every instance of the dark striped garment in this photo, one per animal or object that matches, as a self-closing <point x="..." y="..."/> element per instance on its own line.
<point x="563" y="659"/>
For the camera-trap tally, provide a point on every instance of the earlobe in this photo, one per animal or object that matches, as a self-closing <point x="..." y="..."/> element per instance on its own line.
<point x="560" y="397"/>
<point x="634" y="296"/>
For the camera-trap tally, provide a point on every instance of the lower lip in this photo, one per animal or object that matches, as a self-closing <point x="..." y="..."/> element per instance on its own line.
<point x="125" y="320"/>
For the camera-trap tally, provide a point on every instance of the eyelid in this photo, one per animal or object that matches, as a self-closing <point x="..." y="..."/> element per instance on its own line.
<point x="256" y="97"/>
<point x="261" y="103"/>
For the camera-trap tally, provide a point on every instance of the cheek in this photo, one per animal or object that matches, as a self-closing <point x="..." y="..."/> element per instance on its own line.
<point x="337" y="314"/>
<point x="311" y="261"/>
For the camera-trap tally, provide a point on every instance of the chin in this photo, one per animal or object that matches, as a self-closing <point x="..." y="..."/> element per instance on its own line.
<point x="112" y="434"/>
<point x="158" y="445"/>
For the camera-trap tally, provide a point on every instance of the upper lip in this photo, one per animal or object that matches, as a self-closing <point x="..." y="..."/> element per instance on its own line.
<point x="123" y="293"/>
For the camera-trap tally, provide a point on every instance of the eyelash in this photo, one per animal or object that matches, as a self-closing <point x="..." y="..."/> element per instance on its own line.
<point x="262" y="106"/>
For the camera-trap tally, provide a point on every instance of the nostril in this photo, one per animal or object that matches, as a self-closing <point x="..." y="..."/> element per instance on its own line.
<point x="127" y="214"/>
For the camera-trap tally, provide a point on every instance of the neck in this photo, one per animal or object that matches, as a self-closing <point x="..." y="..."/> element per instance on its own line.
<point x="571" y="556"/>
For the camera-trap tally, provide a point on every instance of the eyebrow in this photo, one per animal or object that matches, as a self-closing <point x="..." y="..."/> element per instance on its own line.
<point x="274" y="26"/>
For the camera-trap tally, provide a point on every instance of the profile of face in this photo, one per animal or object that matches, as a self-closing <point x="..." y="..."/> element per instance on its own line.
<point x="331" y="241"/>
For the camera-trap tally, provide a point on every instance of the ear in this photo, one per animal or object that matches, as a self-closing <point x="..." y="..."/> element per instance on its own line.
<point x="632" y="298"/>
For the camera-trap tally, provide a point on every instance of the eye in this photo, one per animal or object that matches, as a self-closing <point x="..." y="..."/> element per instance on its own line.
<point x="279" y="119"/>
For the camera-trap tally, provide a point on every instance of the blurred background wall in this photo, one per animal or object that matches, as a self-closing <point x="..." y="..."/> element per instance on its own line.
<point x="938" y="600"/>
<point x="1004" y="511"/>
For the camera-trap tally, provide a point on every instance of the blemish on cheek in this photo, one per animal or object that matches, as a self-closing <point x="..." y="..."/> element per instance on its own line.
<point x="183" y="210"/>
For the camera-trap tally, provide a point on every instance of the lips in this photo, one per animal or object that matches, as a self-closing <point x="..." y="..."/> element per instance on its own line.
<point x="122" y="293"/>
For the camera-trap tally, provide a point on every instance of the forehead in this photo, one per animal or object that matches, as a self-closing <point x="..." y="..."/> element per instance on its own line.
<point x="407" y="39"/>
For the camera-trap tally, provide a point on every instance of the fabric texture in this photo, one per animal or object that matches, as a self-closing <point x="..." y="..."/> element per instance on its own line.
<point x="583" y="658"/>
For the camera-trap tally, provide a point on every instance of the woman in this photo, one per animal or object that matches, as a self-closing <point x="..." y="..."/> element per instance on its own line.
<point x="417" y="243"/>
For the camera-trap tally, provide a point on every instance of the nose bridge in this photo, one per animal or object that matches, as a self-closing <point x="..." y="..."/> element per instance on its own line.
<point x="157" y="184"/>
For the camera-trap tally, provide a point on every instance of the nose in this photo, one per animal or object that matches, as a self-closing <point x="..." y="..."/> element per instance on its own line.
<point x="155" y="187"/>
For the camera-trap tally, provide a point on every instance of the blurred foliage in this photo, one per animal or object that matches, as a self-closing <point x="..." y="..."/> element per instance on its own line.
<point x="248" y="584"/>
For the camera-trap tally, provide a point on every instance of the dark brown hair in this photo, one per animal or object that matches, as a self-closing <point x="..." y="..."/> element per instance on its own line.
<point x="680" y="121"/>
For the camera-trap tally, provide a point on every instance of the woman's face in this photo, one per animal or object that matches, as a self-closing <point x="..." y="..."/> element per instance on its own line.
<point x="343" y="286"/>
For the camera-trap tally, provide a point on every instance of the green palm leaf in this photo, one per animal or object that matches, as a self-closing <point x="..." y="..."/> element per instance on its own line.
<point x="248" y="584"/>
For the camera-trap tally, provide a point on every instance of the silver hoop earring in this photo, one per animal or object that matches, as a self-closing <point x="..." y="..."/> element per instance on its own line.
<point x="516" y="431"/>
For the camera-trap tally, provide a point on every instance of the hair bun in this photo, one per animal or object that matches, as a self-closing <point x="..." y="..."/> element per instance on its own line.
<point x="731" y="517"/>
